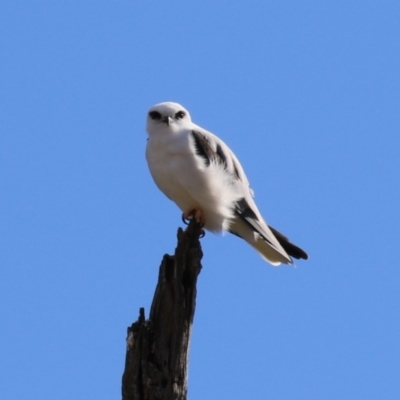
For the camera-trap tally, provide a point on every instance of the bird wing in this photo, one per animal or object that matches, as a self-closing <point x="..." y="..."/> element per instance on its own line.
<point x="262" y="238"/>
<point x="213" y="150"/>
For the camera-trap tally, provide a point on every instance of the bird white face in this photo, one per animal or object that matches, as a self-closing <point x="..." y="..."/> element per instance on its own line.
<point x="171" y="116"/>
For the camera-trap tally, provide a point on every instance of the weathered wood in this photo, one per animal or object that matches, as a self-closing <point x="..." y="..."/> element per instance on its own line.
<point x="157" y="349"/>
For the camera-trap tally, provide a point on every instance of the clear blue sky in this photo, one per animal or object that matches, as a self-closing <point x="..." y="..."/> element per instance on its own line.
<point x="307" y="93"/>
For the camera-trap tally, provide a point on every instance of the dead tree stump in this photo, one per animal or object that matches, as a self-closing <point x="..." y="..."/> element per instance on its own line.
<point x="157" y="348"/>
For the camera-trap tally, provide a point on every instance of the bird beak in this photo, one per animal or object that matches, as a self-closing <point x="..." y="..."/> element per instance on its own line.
<point x="167" y="120"/>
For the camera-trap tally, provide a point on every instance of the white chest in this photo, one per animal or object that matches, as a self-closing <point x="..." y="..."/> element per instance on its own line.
<point x="173" y="167"/>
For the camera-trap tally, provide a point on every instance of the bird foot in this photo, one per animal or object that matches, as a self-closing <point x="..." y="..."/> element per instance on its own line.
<point x="196" y="213"/>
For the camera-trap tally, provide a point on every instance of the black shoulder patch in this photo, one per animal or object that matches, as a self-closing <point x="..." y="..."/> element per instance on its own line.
<point x="221" y="155"/>
<point x="203" y="147"/>
<point x="236" y="170"/>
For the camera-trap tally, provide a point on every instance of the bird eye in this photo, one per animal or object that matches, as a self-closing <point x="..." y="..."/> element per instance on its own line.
<point x="179" y="115"/>
<point x="154" y="115"/>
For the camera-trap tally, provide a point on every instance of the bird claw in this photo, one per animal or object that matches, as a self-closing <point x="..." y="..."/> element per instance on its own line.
<point x="186" y="221"/>
<point x="198" y="215"/>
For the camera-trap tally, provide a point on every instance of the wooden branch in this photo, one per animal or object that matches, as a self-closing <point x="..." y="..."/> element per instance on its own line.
<point x="157" y="349"/>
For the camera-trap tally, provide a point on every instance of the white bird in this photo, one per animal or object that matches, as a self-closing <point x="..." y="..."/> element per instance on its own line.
<point x="198" y="171"/>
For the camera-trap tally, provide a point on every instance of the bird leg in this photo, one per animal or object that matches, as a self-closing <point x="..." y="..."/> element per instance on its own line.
<point x="196" y="213"/>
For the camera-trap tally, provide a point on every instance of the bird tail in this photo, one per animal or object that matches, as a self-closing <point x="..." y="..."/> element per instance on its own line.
<point x="271" y="244"/>
<point x="290" y="248"/>
<point x="269" y="248"/>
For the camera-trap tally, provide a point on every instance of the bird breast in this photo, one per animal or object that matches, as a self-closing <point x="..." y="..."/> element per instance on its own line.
<point x="174" y="168"/>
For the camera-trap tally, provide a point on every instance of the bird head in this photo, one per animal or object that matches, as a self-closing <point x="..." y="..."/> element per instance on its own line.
<point x="168" y="115"/>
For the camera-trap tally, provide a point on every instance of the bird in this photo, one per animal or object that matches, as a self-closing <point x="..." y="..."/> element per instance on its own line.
<point x="195" y="169"/>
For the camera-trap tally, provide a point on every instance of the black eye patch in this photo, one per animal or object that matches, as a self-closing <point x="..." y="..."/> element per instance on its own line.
<point x="179" y="115"/>
<point x="154" y="115"/>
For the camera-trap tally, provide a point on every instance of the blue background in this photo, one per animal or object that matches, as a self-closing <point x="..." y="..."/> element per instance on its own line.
<point x="306" y="93"/>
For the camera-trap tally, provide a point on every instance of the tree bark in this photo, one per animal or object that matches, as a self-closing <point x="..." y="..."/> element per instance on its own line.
<point x="157" y="349"/>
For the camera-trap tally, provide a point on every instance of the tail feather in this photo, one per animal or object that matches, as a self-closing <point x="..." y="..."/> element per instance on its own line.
<point x="290" y="248"/>
<point x="273" y="246"/>
<point x="275" y="255"/>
